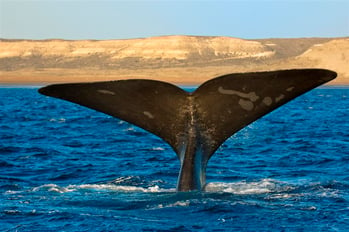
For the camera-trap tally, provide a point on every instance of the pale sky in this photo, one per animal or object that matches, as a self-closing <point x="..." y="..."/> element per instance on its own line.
<point x="116" y="19"/>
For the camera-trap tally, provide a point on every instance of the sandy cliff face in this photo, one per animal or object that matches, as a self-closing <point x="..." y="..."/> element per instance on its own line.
<point x="187" y="59"/>
<point x="181" y="48"/>
<point x="331" y="55"/>
<point x="170" y="47"/>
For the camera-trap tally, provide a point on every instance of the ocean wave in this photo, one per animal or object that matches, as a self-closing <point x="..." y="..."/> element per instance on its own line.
<point x="100" y="187"/>
<point x="184" y="203"/>
<point x="269" y="189"/>
<point x="118" y="185"/>
<point x="119" y="188"/>
<point x="158" y="149"/>
<point x="53" y="188"/>
<point x="246" y="188"/>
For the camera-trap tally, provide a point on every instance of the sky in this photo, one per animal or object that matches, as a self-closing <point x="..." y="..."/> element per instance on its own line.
<point x="117" y="19"/>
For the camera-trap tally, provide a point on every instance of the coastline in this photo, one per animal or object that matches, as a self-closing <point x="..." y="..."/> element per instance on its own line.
<point x="196" y="60"/>
<point x="186" y="83"/>
<point x="189" y="84"/>
<point x="190" y="76"/>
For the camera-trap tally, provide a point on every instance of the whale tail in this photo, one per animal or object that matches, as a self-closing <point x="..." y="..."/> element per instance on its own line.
<point x="193" y="124"/>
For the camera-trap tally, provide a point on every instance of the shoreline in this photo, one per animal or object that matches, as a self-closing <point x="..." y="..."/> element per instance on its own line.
<point x="335" y="84"/>
<point x="191" y="76"/>
<point x="194" y="62"/>
<point x="181" y="84"/>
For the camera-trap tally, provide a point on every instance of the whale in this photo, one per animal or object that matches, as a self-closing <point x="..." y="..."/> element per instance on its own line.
<point x="194" y="123"/>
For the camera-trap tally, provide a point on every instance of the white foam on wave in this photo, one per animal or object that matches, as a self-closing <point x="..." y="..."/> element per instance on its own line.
<point x="241" y="188"/>
<point x="58" y="120"/>
<point x="122" y="179"/>
<point x="53" y="188"/>
<point x="11" y="192"/>
<point x="100" y="187"/>
<point x="244" y="187"/>
<point x="284" y="196"/>
<point x="130" y="129"/>
<point x="120" y="188"/>
<point x="185" y="203"/>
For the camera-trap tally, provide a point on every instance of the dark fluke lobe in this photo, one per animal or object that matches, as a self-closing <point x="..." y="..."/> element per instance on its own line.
<point x="194" y="124"/>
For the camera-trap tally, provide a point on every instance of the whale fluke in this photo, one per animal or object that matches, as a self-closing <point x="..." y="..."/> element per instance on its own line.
<point x="193" y="124"/>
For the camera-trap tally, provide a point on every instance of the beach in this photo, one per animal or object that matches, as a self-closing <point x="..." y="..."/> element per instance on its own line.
<point x="189" y="76"/>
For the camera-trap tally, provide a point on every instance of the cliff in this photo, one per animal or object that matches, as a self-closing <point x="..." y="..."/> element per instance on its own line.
<point x="178" y="59"/>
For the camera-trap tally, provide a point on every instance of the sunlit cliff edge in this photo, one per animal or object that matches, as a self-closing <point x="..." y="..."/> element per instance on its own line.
<point x="177" y="59"/>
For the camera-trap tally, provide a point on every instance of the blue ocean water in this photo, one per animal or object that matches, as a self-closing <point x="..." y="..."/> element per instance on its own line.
<point x="64" y="167"/>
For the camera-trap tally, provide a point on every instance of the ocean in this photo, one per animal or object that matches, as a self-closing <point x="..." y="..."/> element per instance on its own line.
<point x="64" y="167"/>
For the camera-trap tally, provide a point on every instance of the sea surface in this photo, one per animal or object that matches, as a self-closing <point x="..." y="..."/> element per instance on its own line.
<point x="64" y="167"/>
